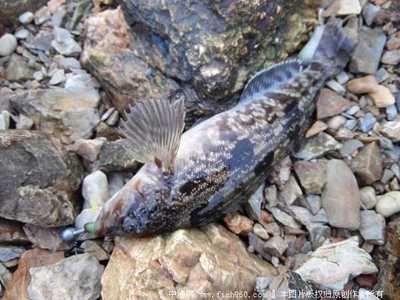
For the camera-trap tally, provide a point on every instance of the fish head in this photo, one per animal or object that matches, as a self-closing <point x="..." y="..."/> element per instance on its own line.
<point x="138" y="209"/>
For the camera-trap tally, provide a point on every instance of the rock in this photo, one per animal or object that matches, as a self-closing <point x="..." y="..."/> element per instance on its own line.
<point x="370" y="12"/>
<point x="372" y="227"/>
<point x="75" y="277"/>
<point x="26" y="18"/>
<point x="316" y="128"/>
<point x="45" y="238"/>
<point x="317" y="146"/>
<point x="313" y="203"/>
<point x="22" y="34"/>
<point x="186" y="262"/>
<point x="64" y="43"/>
<point x="24" y="122"/>
<point x="343" y="8"/>
<point x="17" y="287"/>
<point x="388" y="204"/>
<point x="276" y="246"/>
<point x="382" y="96"/>
<point x="11" y="233"/>
<point x="391" y="57"/>
<point x="11" y="9"/>
<point x="87" y="215"/>
<point x="4" y="120"/>
<point x="394" y="42"/>
<point x="290" y="191"/>
<point x="115" y="157"/>
<point x="330" y="104"/>
<point x="391" y="129"/>
<point x="8" y="44"/>
<point x="368" y="52"/>
<point x="95" y="190"/>
<point x="8" y="253"/>
<point x="368" y="197"/>
<point x="368" y="164"/>
<point x="332" y="265"/>
<point x="38" y="180"/>
<point x="336" y="122"/>
<point x="341" y="196"/>
<point x="391" y="112"/>
<point x="260" y="231"/>
<point x="311" y="175"/>
<point x="238" y="224"/>
<point x="367" y="123"/>
<point x="89" y="150"/>
<point x="57" y="77"/>
<point x="284" y="218"/>
<point x="93" y="248"/>
<point x="62" y="112"/>
<point x="362" y="85"/>
<point x="364" y="294"/>
<point x="350" y="147"/>
<point x="18" y="69"/>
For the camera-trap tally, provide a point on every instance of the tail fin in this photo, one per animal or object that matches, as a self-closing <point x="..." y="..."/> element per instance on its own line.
<point x="329" y="46"/>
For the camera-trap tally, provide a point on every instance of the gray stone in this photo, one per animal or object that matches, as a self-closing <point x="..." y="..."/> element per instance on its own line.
<point x="8" y="253"/>
<point x="368" y="197"/>
<point x="381" y="75"/>
<point x="8" y="44"/>
<point x="271" y="196"/>
<point x="368" y="164"/>
<point x="391" y="129"/>
<point x="367" y="123"/>
<point x="93" y="248"/>
<point x="18" y="69"/>
<point x="370" y="12"/>
<point x="313" y="203"/>
<point x="311" y="175"/>
<point x="275" y="246"/>
<point x="64" y="43"/>
<point x="317" y="146"/>
<point x="75" y="277"/>
<point x="57" y="77"/>
<point x="331" y="266"/>
<point x="391" y="57"/>
<point x="336" y="86"/>
<point x="284" y="218"/>
<point x="26" y="18"/>
<point x="350" y="147"/>
<point x="22" y="34"/>
<point x="45" y="238"/>
<point x="372" y="227"/>
<point x="256" y="202"/>
<point x="391" y="112"/>
<point x="38" y="180"/>
<point x="341" y="196"/>
<point x="291" y="191"/>
<point x="368" y="52"/>
<point x="62" y="112"/>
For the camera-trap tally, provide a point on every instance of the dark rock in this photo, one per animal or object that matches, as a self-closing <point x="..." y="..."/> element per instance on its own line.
<point x="368" y="165"/>
<point x="37" y="180"/>
<point x="368" y="52"/>
<point x="11" y="232"/>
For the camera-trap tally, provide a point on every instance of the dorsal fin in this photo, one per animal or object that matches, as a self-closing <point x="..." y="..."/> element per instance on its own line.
<point x="271" y="78"/>
<point x="154" y="129"/>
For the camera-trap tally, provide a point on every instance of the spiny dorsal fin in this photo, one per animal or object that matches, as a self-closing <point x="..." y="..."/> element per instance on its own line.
<point x="154" y="129"/>
<point x="271" y="78"/>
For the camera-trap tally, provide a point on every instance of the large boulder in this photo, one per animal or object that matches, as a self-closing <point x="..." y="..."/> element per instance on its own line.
<point x="185" y="264"/>
<point x="207" y="49"/>
<point x="37" y="179"/>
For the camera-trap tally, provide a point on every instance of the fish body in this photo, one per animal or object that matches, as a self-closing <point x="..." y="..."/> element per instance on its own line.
<point x="193" y="178"/>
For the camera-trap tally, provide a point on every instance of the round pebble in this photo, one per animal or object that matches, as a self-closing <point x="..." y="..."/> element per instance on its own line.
<point x="8" y="44"/>
<point x="388" y="204"/>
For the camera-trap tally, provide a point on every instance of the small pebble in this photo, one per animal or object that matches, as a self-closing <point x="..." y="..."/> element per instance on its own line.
<point x="26" y="18"/>
<point x="368" y="197"/>
<point x="8" y="44"/>
<point x="367" y="123"/>
<point x="57" y="77"/>
<point x="22" y="34"/>
<point x="391" y="112"/>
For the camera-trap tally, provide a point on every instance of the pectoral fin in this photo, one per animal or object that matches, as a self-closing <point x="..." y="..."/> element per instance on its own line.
<point x="154" y="129"/>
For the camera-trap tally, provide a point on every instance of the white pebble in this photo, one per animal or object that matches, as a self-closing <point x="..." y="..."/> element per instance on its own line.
<point x="8" y="44"/>
<point x="388" y="204"/>
<point x="26" y="18"/>
<point x="368" y="197"/>
<point x="95" y="190"/>
<point x="4" y="120"/>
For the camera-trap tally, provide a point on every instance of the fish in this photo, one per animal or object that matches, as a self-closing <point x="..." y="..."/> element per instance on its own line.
<point x="193" y="178"/>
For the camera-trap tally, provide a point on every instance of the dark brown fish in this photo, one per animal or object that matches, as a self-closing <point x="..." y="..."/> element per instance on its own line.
<point x="191" y="179"/>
